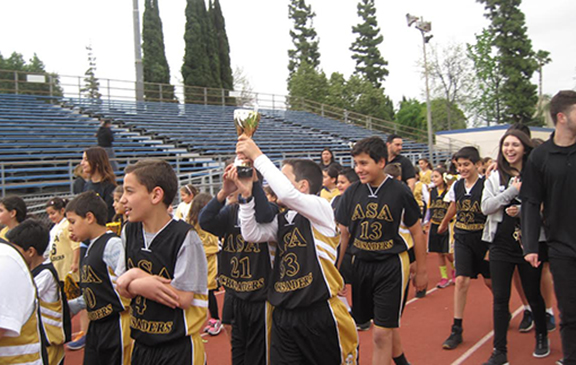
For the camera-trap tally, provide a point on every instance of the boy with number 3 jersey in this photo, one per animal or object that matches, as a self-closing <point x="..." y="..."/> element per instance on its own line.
<point x="309" y="323"/>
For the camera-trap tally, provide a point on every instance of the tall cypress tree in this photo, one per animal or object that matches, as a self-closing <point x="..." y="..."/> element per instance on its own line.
<point x="369" y="61"/>
<point x="211" y="42"/>
<point x="226" y="79"/>
<point x="196" y="68"/>
<point x="91" y="83"/>
<point x="516" y="57"/>
<point x="156" y="69"/>
<point x="303" y="36"/>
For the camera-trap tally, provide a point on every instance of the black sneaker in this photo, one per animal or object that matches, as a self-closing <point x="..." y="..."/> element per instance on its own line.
<point x="421" y="293"/>
<point x="550" y="322"/>
<point x="527" y="322"/>
<point x="497" y="358"/>
<point x="542" y="345"/>
<point x="454" y="339"/>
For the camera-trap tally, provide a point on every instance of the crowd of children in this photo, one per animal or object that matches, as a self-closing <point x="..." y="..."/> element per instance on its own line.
<point x="288" y="254"/>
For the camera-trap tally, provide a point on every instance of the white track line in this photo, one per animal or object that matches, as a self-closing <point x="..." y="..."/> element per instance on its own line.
<point x="480" y="343"/>
<point x="428" y="292"/>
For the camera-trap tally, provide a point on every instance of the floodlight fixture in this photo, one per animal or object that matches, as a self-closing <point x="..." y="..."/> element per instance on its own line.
<point x="411" y="19"/>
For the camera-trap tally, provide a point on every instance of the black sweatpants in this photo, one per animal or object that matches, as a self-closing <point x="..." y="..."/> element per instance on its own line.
<point x="564" y="274"/>
<point x="501" y="273"/>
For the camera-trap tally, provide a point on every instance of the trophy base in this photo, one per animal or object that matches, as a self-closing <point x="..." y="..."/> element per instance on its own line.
<point x="244" y="171"/>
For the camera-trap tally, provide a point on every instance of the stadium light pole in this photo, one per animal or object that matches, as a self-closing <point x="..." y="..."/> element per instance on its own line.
<point x="138" y="53"/>
<point x="425" y="27"/>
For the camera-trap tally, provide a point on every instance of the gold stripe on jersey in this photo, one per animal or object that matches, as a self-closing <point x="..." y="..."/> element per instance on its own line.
<point x="52" y="318"/>
<point x="346" y="329"/>
<point x="198" y="354"/>
<point x="26" y="348"/>
<point x="195" y="315"/>
<point x="212" y="270"/>
<point x="113" y="277"/>
<point x="405" y="271"/>
<point x="406" y="235"/>
<point x="55" y="354"/>
<point x="127" y="341"/>
<point x="269" y="309"/>
<point x="326" y="253"/>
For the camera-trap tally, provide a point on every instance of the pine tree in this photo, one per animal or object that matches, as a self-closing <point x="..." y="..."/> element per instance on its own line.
<point x="516" y="59"/>
<point x="226" y="79"/>
<point x="91" y="83"/>
<point x="156" y="69"/>
<point x="303" y="37"/>
<point x="196" y="70"/>
<point x="369" y="62"/>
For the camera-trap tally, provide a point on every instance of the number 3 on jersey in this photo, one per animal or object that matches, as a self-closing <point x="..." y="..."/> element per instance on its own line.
<point x="289" y="265"/>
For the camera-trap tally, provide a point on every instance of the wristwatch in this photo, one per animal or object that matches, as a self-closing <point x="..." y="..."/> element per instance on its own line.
<point x="243" y="200"/>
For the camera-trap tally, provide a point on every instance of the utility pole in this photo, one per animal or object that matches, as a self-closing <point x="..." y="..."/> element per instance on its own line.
<point x="138" y="53"/>
<point x="425" y="27"/>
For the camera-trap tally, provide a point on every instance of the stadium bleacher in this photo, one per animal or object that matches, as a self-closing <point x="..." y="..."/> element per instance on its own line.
<point x="39" y="136"/>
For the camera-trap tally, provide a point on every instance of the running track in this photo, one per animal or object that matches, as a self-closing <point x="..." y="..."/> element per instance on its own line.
<point x="425" y="325"/>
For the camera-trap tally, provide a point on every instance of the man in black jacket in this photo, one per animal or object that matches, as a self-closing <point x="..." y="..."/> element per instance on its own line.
<point x="105" y="138"/>
<point x="549" y="179"/>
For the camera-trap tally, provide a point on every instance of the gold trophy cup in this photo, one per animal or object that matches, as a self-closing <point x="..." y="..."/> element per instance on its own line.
<point x="246" y="122"/>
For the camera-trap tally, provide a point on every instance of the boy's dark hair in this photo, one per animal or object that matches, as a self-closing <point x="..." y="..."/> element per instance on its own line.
<point x="89" y="202"/>
<point x="394" y="170"/>
<point x="468" y="153"/>
<point x="333" y="171"/>
<point x="561" y="103"/>
<point x="392" y="137"/>
<point x="13" y="202"/>
<point x="350" y="174"/>
<point x="372" y="146"/>
<point x="306" y="170"/>
<point x="57" y="203"/>
<point x="30" y="233"/>
<point x="153" y="172"/>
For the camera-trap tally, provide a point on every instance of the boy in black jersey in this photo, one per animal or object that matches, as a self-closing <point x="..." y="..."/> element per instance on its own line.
<point x="244" y="269"/>
<point x="108" y="338"/>
<point x="33" y="238"/>
<point x="465" y="198"/>
<point x="369" y="214"/>
<point x="167" y="270"/>
<point x="310" y="325"/>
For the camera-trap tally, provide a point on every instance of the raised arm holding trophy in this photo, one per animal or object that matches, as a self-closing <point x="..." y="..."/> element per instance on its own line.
<point x="246" y="122"/>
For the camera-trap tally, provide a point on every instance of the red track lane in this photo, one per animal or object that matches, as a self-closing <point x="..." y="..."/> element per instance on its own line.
<point x="425" y="325"/>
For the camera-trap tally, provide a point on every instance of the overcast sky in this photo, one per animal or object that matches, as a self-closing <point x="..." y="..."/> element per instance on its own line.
<point x="59" y="30"/>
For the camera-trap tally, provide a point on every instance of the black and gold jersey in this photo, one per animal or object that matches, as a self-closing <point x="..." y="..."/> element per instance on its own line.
<point x="244" y="267"/>
<point x="102" y="299"/>
<point x="304" y="272"/>
<point x="373" y="217"/>
<point x="152" y="323"/>
<point x="438" y="206"/>
<point x="469" y="217"/>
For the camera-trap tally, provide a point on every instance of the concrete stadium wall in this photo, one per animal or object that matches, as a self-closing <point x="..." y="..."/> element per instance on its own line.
<point x="487" y="138"/>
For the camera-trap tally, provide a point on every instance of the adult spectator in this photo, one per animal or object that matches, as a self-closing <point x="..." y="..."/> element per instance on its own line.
<point x="548" y="180"/>
<point x="105" y="138"/>
<point x="327" y="159"/>
<point x="394" y="144"/>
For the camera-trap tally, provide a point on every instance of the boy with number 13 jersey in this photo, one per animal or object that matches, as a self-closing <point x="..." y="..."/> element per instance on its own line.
<point x="309" y="323"/>
<point x="370" y="214"/>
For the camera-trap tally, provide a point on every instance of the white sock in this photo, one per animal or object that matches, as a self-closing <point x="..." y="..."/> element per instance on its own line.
<point x="550" y="311"/>
<point x="345" y="301"/>
<point x="527" y="308"/>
